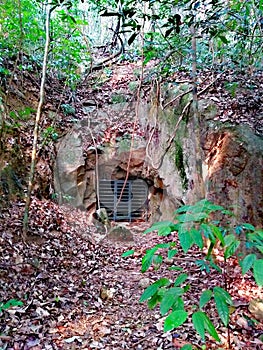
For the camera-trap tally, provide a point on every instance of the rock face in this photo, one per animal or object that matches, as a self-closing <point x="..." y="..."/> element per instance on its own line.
<point x="232" y="159"/>
<point x="256" y="308"/>
<point x="120" y="234"/>
<point x="70" y="179"/>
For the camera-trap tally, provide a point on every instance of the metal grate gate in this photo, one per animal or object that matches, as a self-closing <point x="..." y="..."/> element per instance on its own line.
<point x="130" y="206"/>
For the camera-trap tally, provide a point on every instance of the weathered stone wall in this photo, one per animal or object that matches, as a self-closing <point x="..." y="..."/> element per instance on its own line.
<point x="235" y="178"/>
<point x="232" y="163"/>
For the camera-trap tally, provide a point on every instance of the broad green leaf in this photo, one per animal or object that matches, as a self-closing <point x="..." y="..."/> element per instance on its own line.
<point x="247" y="263"/>
<point x="152" y="289"/>
<point x="258" y="272"/>
<point x="260" y="248"/>
<point x="169" y="299"/>
<point x="248" y="227"/>
<point x="254" y="238"/>
<point x="174" y="320"/>
<point x="157" y="225"/>
<point x="210" y="207"/>
<point x="157" y="261"/>
<point x="224" y="294"/>
<point x="197" y="237"/>
<point x="162" y="245"/>
<point x="227" y="212"/>
<point x="184" y="209"/>
<point x="210" y="328"/>
<point x="128" y="253"/>
<point x="175" y="268"/>
<point x="10" y="303"/>
<point x="166" y="303"/>
<point x="185" y="218"/>
<point x="259" y="232"/>
<point x="218" y="234"/>
<point x="191" y="217"/>
<point x="222" y="307"/>
<point x="154" y="300"/>
<point x="205" y="297"/>
<point x="180" y="279"/>
<point x="186" y="240"/>
<point x="207" y="231"/>
<point x="178" y="305"/>
<point x="199" y="323"/>
<point x="231" y="249"/>
<point x="187" y="347"/>
<point x="172" y="253"/>
<point x="206" y="206"/>
<point x="147" y="259"/>
<point x="164" y="231"/>
<point x="229" y="239"/>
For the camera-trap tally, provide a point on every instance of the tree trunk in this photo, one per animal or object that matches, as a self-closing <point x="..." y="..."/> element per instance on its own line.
<point x="199" y="189"/>
<point x="36" y="128"/>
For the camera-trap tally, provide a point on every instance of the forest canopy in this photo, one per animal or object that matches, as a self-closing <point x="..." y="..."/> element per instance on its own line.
<point x="229" y="34"/>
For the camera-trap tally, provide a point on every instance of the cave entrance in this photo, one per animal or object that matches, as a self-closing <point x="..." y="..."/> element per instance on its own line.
<point x="124" y="201"/>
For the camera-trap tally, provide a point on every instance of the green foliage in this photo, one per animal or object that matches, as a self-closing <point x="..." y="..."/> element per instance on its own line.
<point x="193" y="224"/>
<point x="68" y="109"/>
<point x="258" y="271"/>
<point x="179" y="162"/>
<point x="175" y="319"/>
<point x="10" y="303"/>
<point x="50" y="133"/>
<point x="205" y="298"/>
<point x="187" y="347"/>
<point x="128" y="253"/>
<point x="248" y="262"/>
<point x="222" y="300"/>
<point x="118" y="98"/>
<point x="23" y="33"/>
<point x="23" y="114"/>
<point x="202" y="323"/>
<point x="228" y="35"/>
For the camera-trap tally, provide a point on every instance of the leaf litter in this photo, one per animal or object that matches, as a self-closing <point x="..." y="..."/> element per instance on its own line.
<point x="81" y="294"/>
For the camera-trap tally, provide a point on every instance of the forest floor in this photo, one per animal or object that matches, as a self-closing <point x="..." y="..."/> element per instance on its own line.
<point x="78" y="293"/>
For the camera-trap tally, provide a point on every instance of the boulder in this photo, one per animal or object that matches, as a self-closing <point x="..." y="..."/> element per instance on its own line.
<point x="234" y="179"/>
<point x="119" y="234"/>
<point x="70" y="178"/>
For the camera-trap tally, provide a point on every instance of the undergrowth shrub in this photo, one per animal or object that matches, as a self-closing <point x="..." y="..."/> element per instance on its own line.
<point x="196" y="225"/>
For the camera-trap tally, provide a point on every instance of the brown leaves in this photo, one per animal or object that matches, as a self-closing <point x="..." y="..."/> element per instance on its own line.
<point x="78" y="295"/>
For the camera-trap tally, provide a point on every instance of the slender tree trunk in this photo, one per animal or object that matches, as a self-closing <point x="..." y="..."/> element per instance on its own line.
<point x="36" y="128"/>
<point x="199" y="188"/>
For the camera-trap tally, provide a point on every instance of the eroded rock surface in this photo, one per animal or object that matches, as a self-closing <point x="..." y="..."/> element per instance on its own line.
<point x="234" y="158"/>
<point x="232" y="162"/>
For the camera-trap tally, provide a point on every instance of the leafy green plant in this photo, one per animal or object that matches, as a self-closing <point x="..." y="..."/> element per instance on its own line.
<point x="118" y="98"/>
<point x="232" y="87"/>
<point x="50" y="133"/>
<point x="10" y="303"/>
<point x="68" y="109"/>
<point x="198" y="225"/>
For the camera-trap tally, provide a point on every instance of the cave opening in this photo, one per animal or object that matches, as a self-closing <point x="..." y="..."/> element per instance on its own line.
<point x="124" y="200"/>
